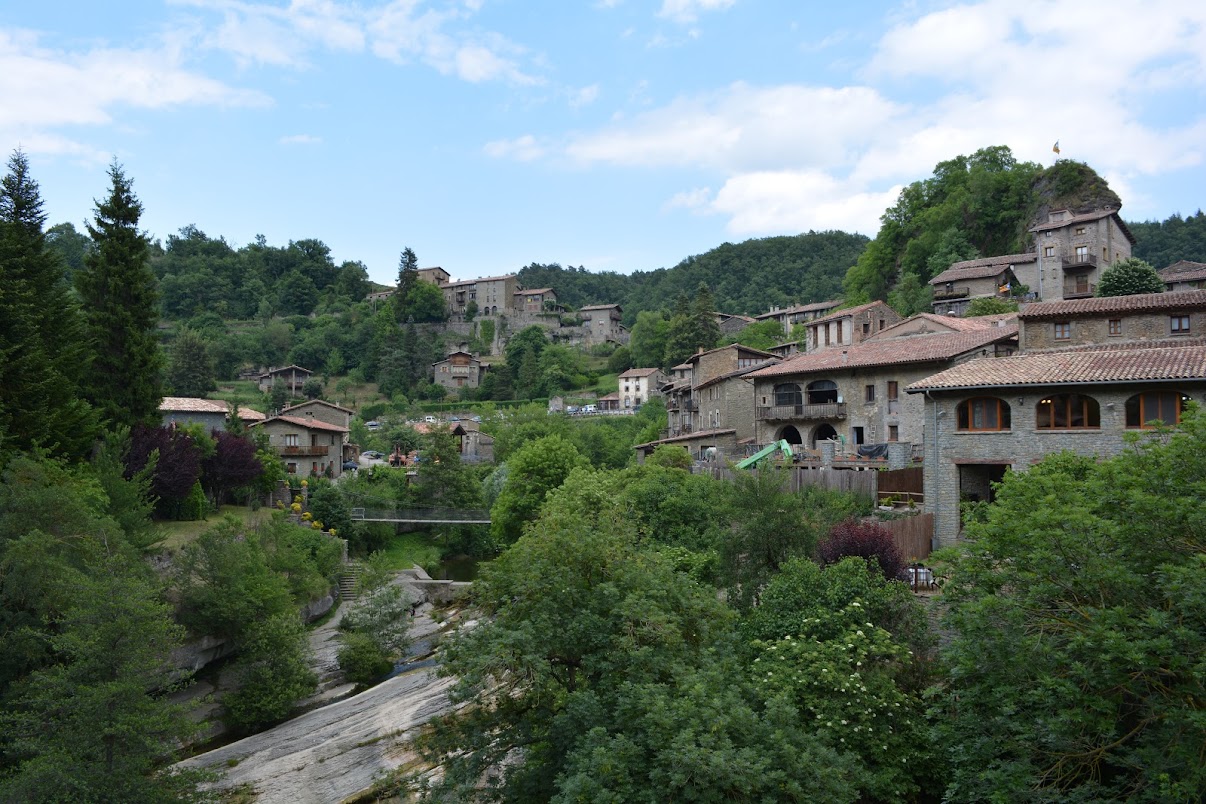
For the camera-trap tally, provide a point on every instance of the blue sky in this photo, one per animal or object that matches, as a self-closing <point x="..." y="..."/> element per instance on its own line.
<point x="618" y="135"/>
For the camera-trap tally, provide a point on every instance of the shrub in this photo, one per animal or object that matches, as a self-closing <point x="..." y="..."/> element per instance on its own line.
<point x="362" y="659"/>
<point x="868" y="540"/>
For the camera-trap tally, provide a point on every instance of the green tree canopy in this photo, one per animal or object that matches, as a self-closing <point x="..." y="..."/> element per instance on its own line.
<point x="534" y="470"/>
<point x="1129" y="277"/>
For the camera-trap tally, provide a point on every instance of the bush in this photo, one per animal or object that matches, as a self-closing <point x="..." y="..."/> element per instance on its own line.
<point x="272" y="674"/>
<point x="868" y="540"/>
<point x="362" y="660"/>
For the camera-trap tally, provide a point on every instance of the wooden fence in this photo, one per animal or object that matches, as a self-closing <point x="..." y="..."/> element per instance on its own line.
<point x="903" y="484"/>
<point x="913" y="535"/>
<point x="847" y="480"/>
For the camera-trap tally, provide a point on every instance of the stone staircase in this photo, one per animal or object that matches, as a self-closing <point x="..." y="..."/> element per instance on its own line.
<point x="348" y="580"/>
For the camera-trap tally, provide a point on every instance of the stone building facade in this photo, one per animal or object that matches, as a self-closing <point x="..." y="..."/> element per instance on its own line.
<point x="308" y="446"/>
<point x="638" y="384"/>
<point x="603" y="323"/>
<point x="1184" y="275"/>
<point x="994" y="415"/>
<point x="1073" y="250"/>
<point x="322" y="410"/>
<point x="460" y="369"/>
<point x="991" y="277"/>
<point x="850" y="326"/>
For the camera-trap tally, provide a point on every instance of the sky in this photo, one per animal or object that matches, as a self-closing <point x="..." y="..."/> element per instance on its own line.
<point x="617" y="135"/>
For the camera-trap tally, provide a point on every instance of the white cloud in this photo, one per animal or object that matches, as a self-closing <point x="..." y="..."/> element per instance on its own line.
<point x="45" y="89"/>
<point x="798" y="200"/>
<point x="584" y="96"/>
<point x="698" y="199"/>
<point x="686" y="11"/>
<point x="522" y="149"/>
<point x="300" y="139"/>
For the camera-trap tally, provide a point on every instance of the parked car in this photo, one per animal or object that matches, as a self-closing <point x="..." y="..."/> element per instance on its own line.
<point x="571" y="409"/>
<point x="430" y="419"/>
<point x="374" y="454"/>
<point x="350" y="465"/>
<point x="590" y="409"/>
<point x="373" y="425"/>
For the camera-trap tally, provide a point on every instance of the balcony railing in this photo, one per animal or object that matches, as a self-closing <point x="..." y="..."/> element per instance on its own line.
<point x="953" y="293"/>
<point x="306" y="452"/>
<point x="1079" y="261"/>
<point x="1080" y="291"/>
<point x="826" y="410"/>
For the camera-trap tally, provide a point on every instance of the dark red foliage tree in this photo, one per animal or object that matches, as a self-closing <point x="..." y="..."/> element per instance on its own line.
<point x="868" y="540"/>
<point x="178" y="466"/>
<point x="233" y="464"/>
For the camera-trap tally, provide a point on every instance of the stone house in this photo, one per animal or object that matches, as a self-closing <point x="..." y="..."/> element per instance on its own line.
<point x="1073" y="250"/>
<point x="494" y="294"/>
<point x="294" y="377"/>
<point x="537" y="300"/>
<point x="856" y="395"/>
<point x="1088" y="372"/>
<point x="1184" y="275"/>
<point x="307" y="445"/>
<point x="638" y="384"/>
<point x="460" y="369"/>
<point x="731" y="323"/>
<point x="603" y="323"/>
<point x="991" y="277"/>
<point x="435" y="275"/>
<point x="788" y="317"/>
<point x="850" y="326"/>
<point x="212" y="414"/>
<point x="322" y="410"/>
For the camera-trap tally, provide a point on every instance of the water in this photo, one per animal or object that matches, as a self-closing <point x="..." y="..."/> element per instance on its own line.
<point x="458" y="568"/>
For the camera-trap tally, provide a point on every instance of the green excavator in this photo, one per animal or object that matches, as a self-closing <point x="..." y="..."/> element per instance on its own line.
<point x="766" y="451"/>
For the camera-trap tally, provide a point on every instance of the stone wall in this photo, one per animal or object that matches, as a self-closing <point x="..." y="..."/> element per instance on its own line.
<point x="1039" y="333"/>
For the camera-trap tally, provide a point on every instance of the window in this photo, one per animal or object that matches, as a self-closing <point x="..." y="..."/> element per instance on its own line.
<point x="893" y="432"/>
<point x="1067" y="412"/>
<point x="983" y="413"/>
<point x="866" y="327"/>
<point x="1048" y="233"/>
<point x="1080" y="230"/>
<point x="1082" y="253"/>
<point x="788" y="394"/>
<point x="822" y="392"/>
<point x="1063" y="331"/>
<point x="881" y="323"/>
<point x="1164" y="406"/>
<point x="1049" y="251"/>
<point x="893" y="397"/>
<point x="870" y="393"/>
<point x="291" y="440"/>
<point x="1115" y="326"/>
<point x="1179" y="324"/>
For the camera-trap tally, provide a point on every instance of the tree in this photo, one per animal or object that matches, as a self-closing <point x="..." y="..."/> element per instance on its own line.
<point x="121" y="311"/>
<point x="761" y="335"/>
<point x="234" y="464"/>
<point x="1129" y="277"/>
<point x="42" y="358"/>
<point x="272" y="671"/>
<point x="869" y="541"/>
<point x="190" y="370"/>
<point x="990" y="305"/>
<point x="533" y="471"/>
<point x="94" y="725"/>
<point x="648" y="342"/>
<point x="408" y="276"/>
<point x="1078" y="631"/>
<point x="312" y="388"/>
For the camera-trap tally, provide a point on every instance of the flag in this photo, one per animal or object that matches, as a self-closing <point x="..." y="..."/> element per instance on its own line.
<point x="1055" y="147"/>
<point x="1004" y="288"/>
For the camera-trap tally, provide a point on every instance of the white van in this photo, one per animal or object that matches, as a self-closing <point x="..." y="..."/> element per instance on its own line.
<point x="430" y="419"/>
<point x="590" y="408"/>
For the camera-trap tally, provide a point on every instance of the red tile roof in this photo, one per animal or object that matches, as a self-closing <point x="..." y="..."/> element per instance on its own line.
<point x="981" y="268"/>
<point x="1111" y="363"/>
<point x="736" y="373"/>
<point x="597" y="307"/>
<point x="318" y="402"/>
<point x="687" y="437"/>
<point x="801" y="308"/>
<point x="890" y="351"/>
<point x="185" y="404"/>
<point x="950" y="322"/>
<point x="1114" y="304"/>
<point x="533" y="291"/>
<point x="1086" y="217"/>
<point x="639" y="372"/>
<point x="1184" y="271"/>
<point x="309" y="424"/>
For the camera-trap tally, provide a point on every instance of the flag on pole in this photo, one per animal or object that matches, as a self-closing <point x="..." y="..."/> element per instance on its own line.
<point x="1055" y="147"/>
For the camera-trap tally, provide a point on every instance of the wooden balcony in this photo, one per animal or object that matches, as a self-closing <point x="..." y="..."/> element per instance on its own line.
<point x="953" y="293"/>
<point x="1082" y="290"/>
<point x="827" y="410"/>
<point x="1074" y="261"/>
<point x="305" y="452"/>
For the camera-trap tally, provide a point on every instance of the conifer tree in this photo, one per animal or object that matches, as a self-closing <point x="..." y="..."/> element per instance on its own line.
<point x="41" y="359"/>
<point x="190" y="369"/>
<point x="408" y="277"/>
<point x="120" y="300"/>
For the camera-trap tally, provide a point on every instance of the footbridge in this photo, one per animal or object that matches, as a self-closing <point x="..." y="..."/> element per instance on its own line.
<point x="425" y="516"/>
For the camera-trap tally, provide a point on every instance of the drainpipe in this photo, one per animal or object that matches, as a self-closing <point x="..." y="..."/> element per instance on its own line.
<point x="934" y="469"/>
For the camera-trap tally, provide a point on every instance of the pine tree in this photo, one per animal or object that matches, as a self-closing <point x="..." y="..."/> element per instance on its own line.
<point x="408" y="277"/>
<point x="120" y="300"/>
<point x="41" y="359"/>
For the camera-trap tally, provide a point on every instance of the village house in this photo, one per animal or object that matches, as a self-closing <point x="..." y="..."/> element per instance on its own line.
<point x="1073" y="250"/>
<point x="603" y="323"/>
<point x="494" y="295"/>
<point x="850" y="326"/>
<point x="731" y="323"/>
<point x="461" y="369"/>
<point x="788" y="317"/>
<point x="293" y="378"/>
<point x="638" y="384"/>
<point x="987" y="278"/>
<point x="322" y="410"/>
<point x="1088" y="372"/>
<point x="855" y="395"/>
<point x="710" y="403"/>
<point x="212" y="414"/>
<point x="1184" y="275"/>
<point x="308" y="445"/>
<point x="538" y="300"/>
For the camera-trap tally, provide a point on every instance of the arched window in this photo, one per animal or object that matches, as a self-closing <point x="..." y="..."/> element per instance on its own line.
<point x="983" y="413"/>
<point x="1165" y="406"/>
<point x="788" y="394"/>
<point x="822" y="392"/>
<point x="1067" y="412"/>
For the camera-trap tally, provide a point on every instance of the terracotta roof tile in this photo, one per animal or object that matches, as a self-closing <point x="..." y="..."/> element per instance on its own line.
<point x="1183" y="271"/>
<point x="981" y="268"/>
<point x="1110" y="363"/>
<point x="185" y="404"/>
<point x="890" y="351"/>
<point x="801" y="308"/>
<point x="848" y="311"/>
<point x="952" y="322"/>
<point x="736" y="373"/>
<point x="687" y="437"/>
<point x="1114" y="304"/>
<point x="597" y="307"/>
<point x="309" y="424"/>
<point x="639" y="372"/>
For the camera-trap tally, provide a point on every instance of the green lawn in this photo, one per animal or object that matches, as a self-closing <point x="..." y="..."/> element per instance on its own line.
<point x="181" y="533"/>
<point x="407" y="549"/>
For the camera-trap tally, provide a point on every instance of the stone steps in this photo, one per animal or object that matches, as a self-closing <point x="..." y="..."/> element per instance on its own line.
<point x="348" y="580"/>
